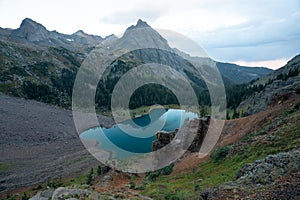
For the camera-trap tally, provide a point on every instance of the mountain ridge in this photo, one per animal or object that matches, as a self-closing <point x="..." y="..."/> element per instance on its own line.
<point x="50" y="61"/>
<point x="35" y="34"/>
<point x="242" y="74"/>
<point x="142" y="35"/>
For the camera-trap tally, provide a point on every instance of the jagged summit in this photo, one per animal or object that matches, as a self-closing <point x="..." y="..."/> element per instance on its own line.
<point x="80" y="32"/>
<point x="110" y="36"/>
<point x="140" y="24"/>
<point x="142" y="35"/>
<point x="30" y="31"/>
<point x="92" y="38"/>
<point x="30" y="22"/>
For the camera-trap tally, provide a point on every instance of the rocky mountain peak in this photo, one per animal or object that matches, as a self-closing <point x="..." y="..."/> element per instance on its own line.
<point x="28" y="25"/>
<point x="142" y="35"/>
<point x="30" y="31"/>
<point x="91" y="38"/>
<point x="80" y="33"/>
<point x="110" y="36"/>
<point x="29" y="22"/>
<point x="140" y="24"/>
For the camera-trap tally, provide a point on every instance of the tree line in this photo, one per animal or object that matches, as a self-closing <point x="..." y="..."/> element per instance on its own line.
<point x="59" y="90"/>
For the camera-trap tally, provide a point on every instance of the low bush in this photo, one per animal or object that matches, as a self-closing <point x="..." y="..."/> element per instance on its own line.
<point x="220" y="154"/>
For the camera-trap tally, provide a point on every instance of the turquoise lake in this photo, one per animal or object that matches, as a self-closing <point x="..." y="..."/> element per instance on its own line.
<point x="168" y="119"/>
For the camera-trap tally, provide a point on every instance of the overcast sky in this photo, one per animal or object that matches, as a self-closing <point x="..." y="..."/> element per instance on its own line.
<point x="249" y="32"/>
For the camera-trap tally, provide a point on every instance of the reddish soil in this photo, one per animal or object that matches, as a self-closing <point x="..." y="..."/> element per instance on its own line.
<point x="235" y="129"/>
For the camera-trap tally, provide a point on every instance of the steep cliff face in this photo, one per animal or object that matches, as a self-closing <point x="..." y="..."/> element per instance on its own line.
<point x="164" y="138"/>
<point x="201" y="133"/>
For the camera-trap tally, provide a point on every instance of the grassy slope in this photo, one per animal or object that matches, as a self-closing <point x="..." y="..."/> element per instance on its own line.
<point x="279" y="135"/>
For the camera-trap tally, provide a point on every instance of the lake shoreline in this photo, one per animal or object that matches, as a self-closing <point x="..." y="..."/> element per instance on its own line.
<point x="138" y="139"/>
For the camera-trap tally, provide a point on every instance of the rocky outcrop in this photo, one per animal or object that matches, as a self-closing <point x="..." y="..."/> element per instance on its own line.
<point x="201" y="133"/>
<point x="43" y="195"/>
<point x="62" y="193"/>
<point x="80" y="194"/>
<point x="267" y="170"/>
<point x="274" y="177"/>
<point x="164" y="138"/>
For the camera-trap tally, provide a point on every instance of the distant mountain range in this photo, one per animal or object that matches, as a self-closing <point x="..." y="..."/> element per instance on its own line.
<point x="242" y="74"/>
<point x="39" y="64"/>
<point x="33" y="33"/>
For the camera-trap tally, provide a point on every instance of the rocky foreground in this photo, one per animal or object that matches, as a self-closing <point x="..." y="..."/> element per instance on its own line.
<point x="279" y="173"/>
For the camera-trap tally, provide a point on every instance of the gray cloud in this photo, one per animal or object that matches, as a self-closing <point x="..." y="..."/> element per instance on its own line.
<point x="132" y="15"/>
<point x="273" y="35"/>
<point x="258" y="52"/>
<point x="244" y="30"/>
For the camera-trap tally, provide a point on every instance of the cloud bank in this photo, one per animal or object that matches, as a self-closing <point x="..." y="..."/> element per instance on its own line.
<point x="229" y="30"/>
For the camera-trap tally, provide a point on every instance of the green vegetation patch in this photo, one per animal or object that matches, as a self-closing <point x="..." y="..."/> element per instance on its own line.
<point x="220" y="154"/>
<point x="281" y="135"/>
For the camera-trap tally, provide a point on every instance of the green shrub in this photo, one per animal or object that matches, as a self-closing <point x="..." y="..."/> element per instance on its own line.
<point x="39" y="187"/>
<point x="261" y="132"/>
<point x="164" y="171"/>
<point x="153" y="175"/>
<point x="220" y="154"/>
<point x="168" y="169"/>
<point x="297" y="105"/>
<point x="172" y="196"/>
<point x="141" y="187"/>
<point x="131" y="185"/>
<point x="89" y="177"/>
<point x="25" y="197"/>
<point x="9" y="197"/>
<point x="99" y="170"/>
